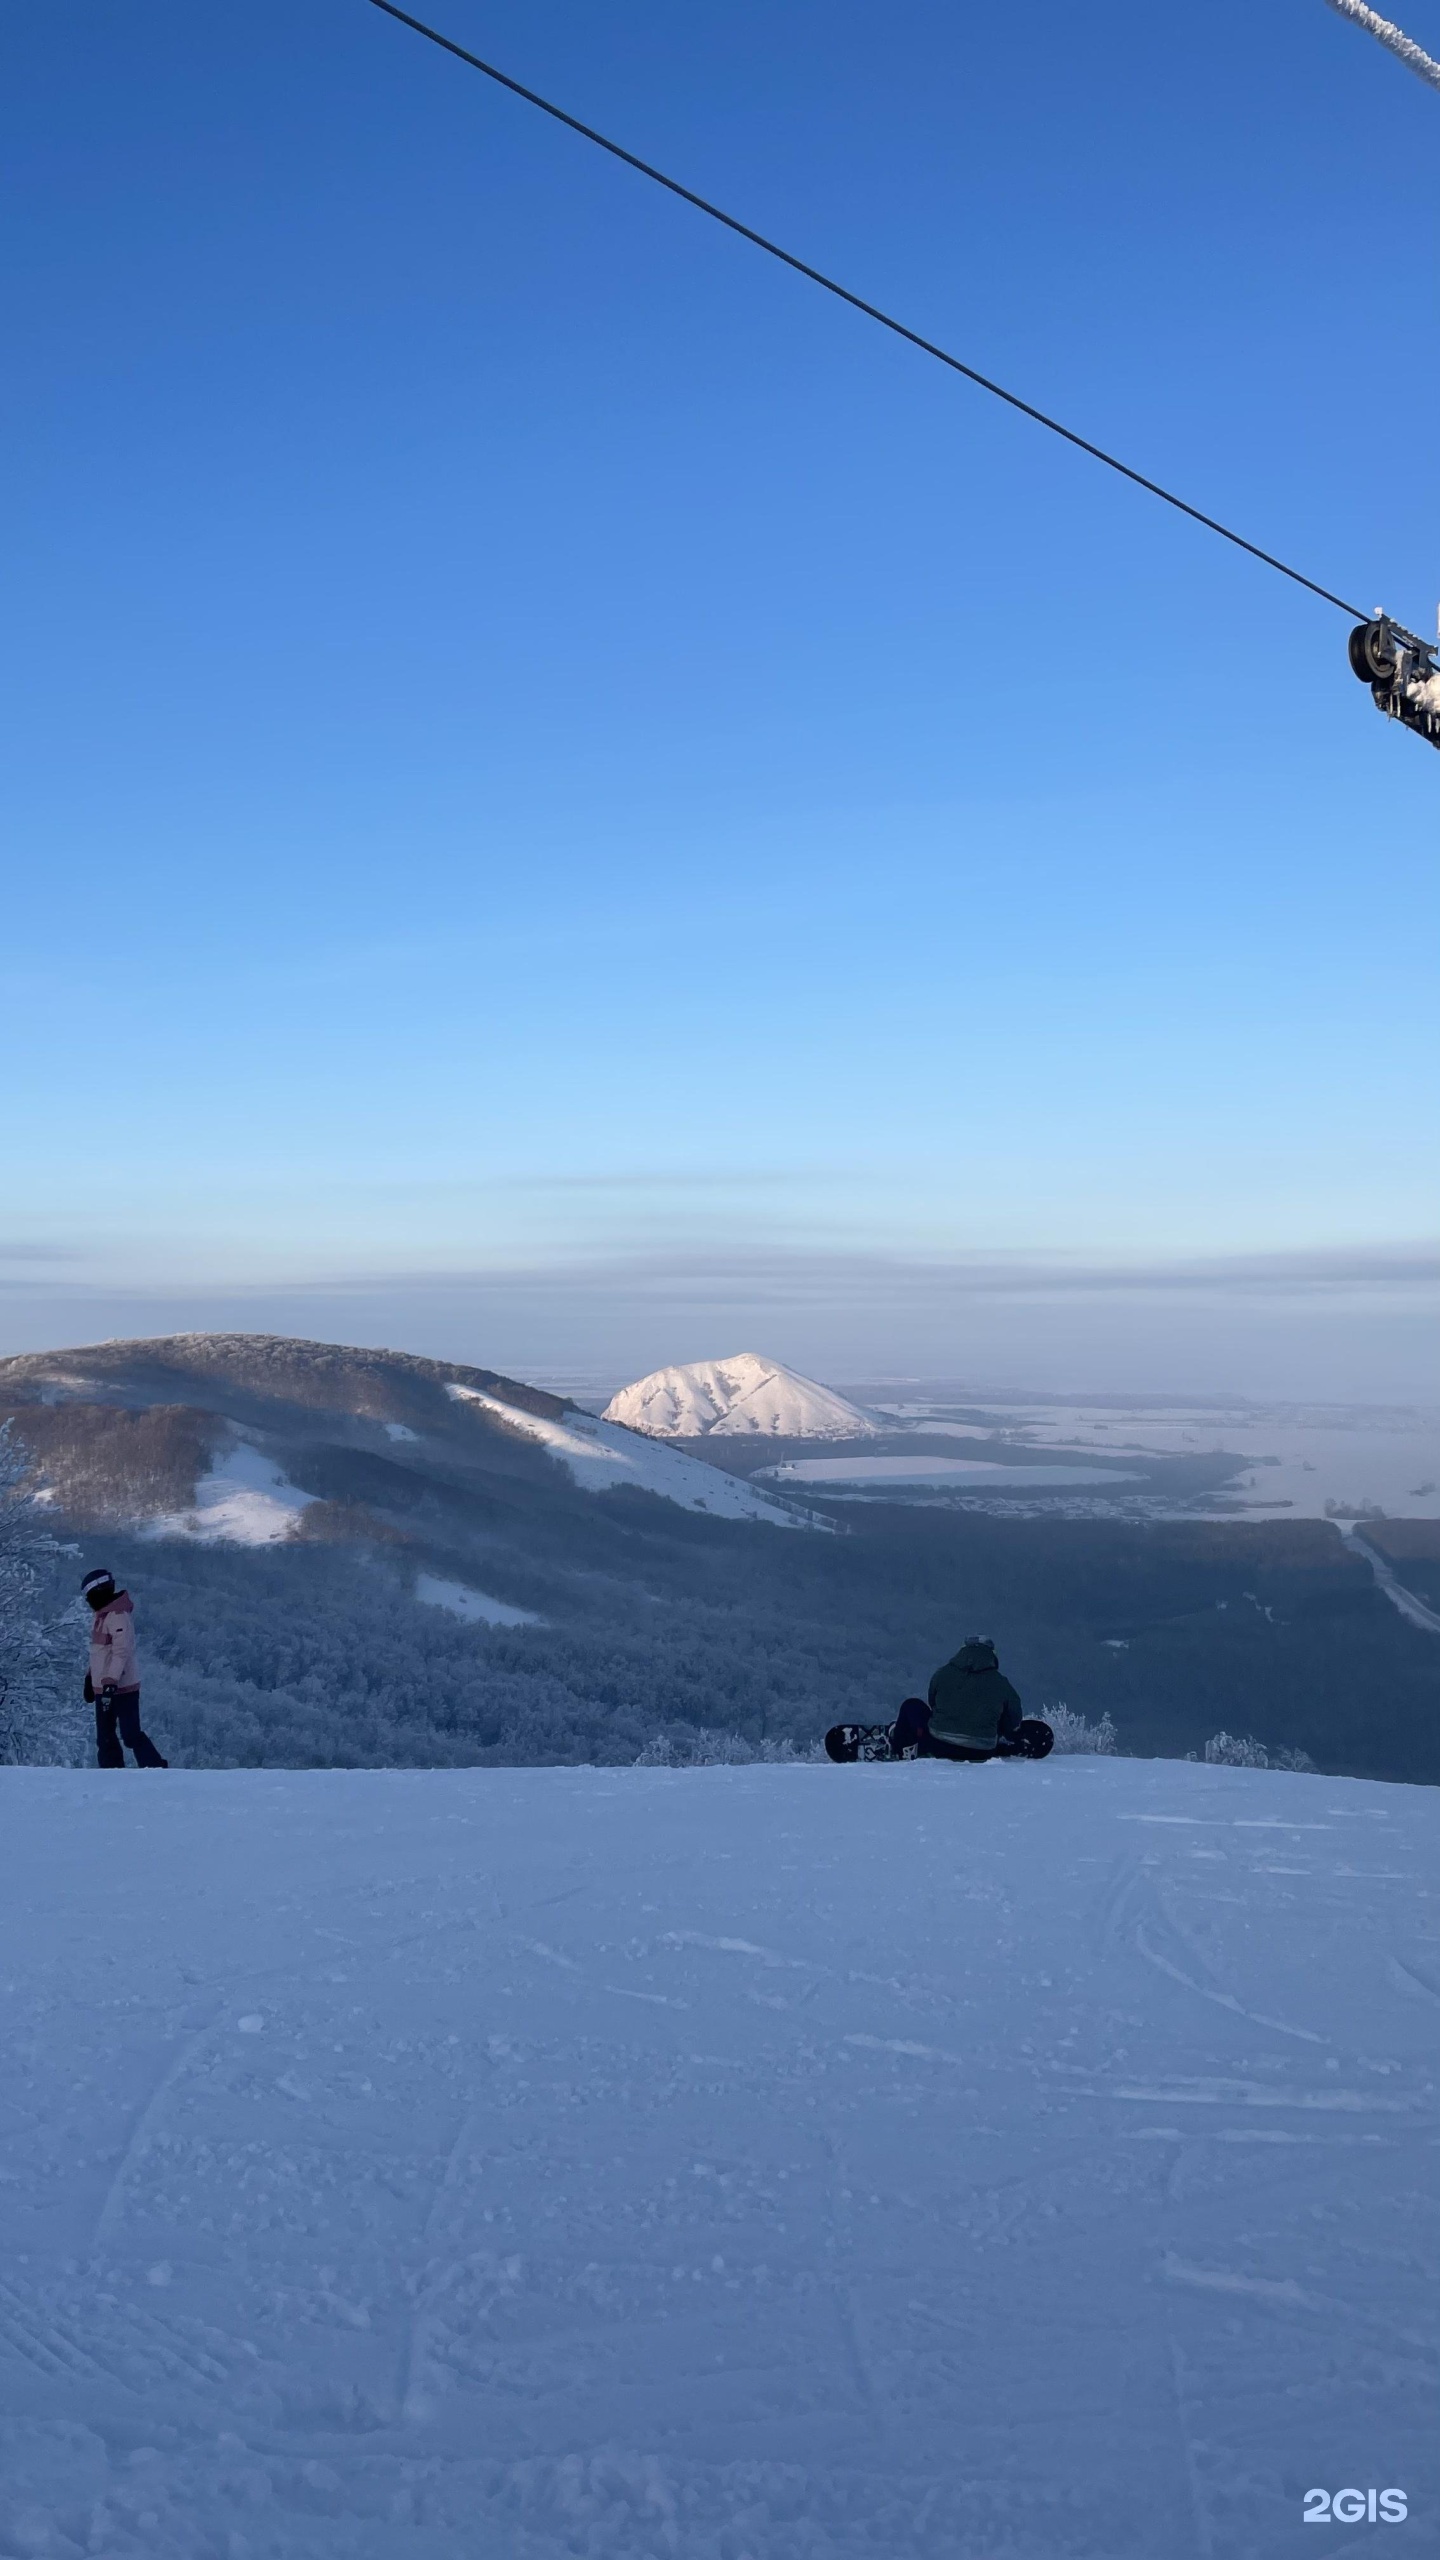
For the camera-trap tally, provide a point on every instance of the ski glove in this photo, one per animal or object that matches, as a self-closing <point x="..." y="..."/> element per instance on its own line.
<point x="89" y="1690"/>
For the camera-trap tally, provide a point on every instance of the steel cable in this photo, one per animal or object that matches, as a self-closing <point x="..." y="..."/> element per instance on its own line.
<point x="857" y="302"/>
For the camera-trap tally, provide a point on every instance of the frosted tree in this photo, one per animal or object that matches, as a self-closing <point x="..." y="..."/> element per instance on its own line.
<point x="1235" y="1751"/>
<point x="1076" y="1733"/>
<point x="40" y="1636"/>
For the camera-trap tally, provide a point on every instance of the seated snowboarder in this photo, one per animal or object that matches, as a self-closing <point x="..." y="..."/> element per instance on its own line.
<point x="973" y="1712"/>
<point x="112" y="1683"/>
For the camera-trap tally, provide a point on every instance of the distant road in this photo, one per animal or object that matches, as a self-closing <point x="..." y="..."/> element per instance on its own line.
<point x="1405" y="1601"/>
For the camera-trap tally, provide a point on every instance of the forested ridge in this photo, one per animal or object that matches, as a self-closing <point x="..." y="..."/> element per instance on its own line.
<point x="307" y="1655"/>
<point x="652" y="1621"/>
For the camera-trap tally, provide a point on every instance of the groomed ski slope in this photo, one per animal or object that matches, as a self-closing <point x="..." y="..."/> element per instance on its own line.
<point x="738" y="2164"/>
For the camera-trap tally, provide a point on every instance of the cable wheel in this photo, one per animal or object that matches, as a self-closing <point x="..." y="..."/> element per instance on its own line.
<point x="1372" y="653"/>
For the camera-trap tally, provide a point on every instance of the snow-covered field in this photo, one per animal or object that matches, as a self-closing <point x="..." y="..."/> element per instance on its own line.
<point x="772" y="2163"/>
<point x="984" y="1473"/>
<point x="245" y="1500"/>
<point x="462" y="1600"/>
<point x="1301" y="1456"/>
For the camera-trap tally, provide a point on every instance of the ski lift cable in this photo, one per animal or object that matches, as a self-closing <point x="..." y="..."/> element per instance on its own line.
<point x="857" y="302"/>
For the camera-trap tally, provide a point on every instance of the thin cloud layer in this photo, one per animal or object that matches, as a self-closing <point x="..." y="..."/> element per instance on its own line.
<point x="1338" y="1324"/>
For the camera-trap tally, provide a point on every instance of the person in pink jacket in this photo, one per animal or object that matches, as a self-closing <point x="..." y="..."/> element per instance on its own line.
<point x="112" y="1683"/>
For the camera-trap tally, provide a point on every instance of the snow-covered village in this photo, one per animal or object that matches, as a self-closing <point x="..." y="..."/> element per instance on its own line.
<point x="719" y="1289"/>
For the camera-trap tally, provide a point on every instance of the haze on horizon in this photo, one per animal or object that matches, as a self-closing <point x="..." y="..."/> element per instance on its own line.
<point x="574" y="808"/>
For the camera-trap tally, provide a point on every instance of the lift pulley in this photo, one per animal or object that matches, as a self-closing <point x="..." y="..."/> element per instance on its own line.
<point x="1401" y="673"/>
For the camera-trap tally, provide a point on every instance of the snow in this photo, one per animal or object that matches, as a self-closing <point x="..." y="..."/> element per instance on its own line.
<point x="989" y="1472"/>
<point x="1297" y="1458"/>
<point x="463" y="1601"/>
<point x="400" y="1431"/>
<point x="917" y="2163"/>
<point x="1389" y="1582"/>
<point x="1303" y="1457"/>
<point x="746" y="1394"/>
<point x="602" y="1454"/>
<point x="62" y="1384"/>
<point x="245" y="1500"/>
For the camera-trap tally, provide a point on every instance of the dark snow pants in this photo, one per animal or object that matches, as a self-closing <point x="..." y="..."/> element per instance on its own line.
<point x="911" y="1732"/>
<point x="124" y="1711"/>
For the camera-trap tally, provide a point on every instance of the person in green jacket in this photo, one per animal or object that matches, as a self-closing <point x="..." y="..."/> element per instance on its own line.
<point x="973" y="1713"/>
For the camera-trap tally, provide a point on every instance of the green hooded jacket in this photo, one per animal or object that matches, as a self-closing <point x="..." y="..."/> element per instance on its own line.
<point x="971" y="1701"/>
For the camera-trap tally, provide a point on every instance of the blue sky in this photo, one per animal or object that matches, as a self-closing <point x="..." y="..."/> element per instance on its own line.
<point x="569" y="803"/>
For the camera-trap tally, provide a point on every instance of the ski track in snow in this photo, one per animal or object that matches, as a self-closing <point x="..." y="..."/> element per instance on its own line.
<point x="134" y="2150"/>
<point x="867" y="2164"/>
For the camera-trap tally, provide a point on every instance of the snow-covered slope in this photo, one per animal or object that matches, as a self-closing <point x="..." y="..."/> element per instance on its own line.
<point x="245" y="1500"/>
<point x="908" y="2163"/>
<point x="462" y="1600"/>
<point x="602" y="1454"/>
<point x="747" y="1394"/>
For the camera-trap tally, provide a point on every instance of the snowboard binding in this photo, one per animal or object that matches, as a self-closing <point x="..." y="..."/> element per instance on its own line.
<point x="1035" y="1741"/>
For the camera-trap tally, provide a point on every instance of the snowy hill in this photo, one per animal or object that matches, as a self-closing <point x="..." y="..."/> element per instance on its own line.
<point x="743" y="1395"/>
<point x="746" y="2164"/>
<point x="113" y="1438"/>
<point x="411" y="1560"/>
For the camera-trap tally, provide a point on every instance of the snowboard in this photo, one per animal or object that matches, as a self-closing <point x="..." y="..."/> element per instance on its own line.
<point x="863" y="1742"/>
<point x="872" y="1742"/>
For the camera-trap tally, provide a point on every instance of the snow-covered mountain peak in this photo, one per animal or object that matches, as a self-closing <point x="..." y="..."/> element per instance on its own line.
<point x="746" y="1394"/>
